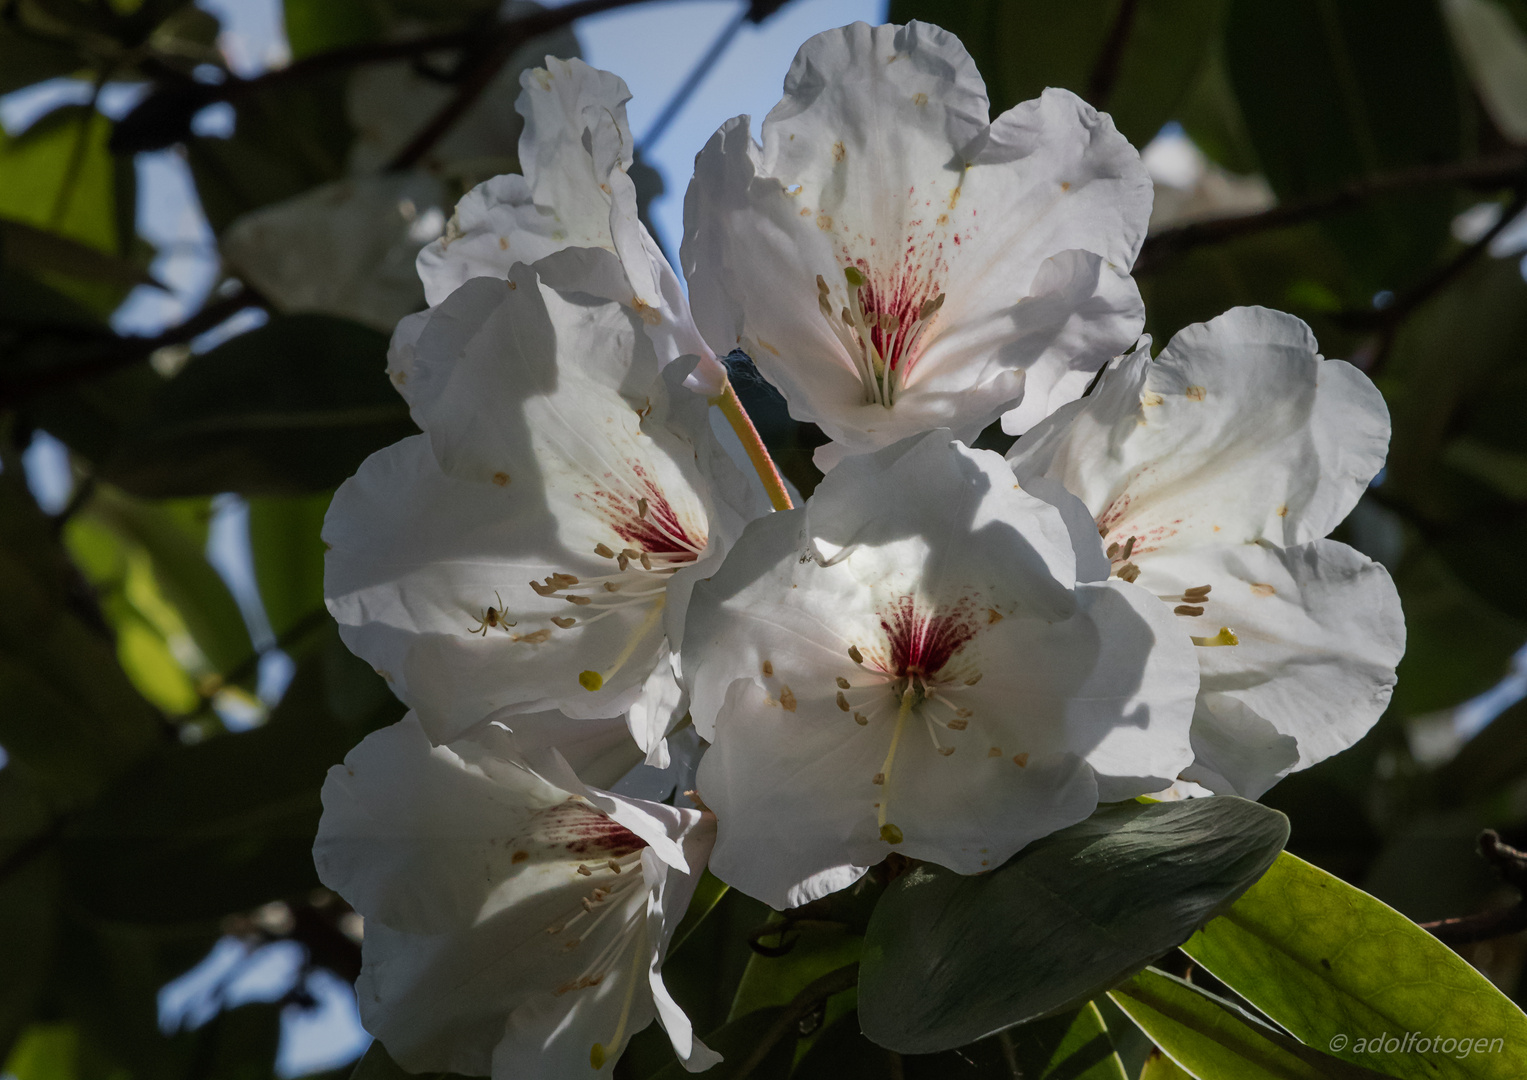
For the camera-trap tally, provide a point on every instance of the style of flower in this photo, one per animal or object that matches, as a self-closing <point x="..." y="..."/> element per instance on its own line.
<point x="528" y="551"/>
<point x="1214" y="473"/>
<point x="894" y="262"/>
<point x="924" y="659"/>
<point x="576" y="192"/>
<point x="516" y="919"/>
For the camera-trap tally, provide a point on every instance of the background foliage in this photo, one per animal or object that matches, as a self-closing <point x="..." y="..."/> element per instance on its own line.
<point x="152" y="803"/>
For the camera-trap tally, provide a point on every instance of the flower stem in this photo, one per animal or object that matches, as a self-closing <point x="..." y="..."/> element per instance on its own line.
<point x="731" y="408"/>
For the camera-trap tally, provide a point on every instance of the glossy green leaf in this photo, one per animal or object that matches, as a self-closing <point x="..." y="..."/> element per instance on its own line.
<point x="291" y="408"/>
<point x="1072" y="1046"/>
<point x="1023" y="46"/>
<point x="288" y="552"/>
<point x="1329" y="962"/>
<point x="313" y="26"/>
<point x="1160" y="1067"/>
<point x="814" y="949"/>
<point x="59" y="176"/>
<point x="1213" y="1039"/>
<point x="949" y="959"/>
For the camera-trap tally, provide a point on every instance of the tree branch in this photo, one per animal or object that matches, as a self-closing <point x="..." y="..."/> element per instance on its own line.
<point x="121" y="352"/>
<point x="1511" y="864"/>
<point x="1487" y="173"/>
<point x="834" y="982"/>
<point x="1105" y="73"/>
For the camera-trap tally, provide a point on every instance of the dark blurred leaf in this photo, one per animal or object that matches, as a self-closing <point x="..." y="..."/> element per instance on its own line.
<point x="290" y="408"/>
<point x="1023" y="46"/>
<point x="775" y="980"/>
<point x="1488" y="763"/>
<point x="288" y="557"/>
<point x="199" y="832"/>
<point x="1330" y="92"/>
<point x="40" y="251"/>
<point x="240" y="1044"/>
<point x="28" y="903"/>
<point x="735" y="1041"/>
<point x="1456" y="644"/>
<point x="59" y="176"/>
<point x="375" y="1064"/>
<point x="27" y="59"/>
<point x="949" y="959"/>
<point x="708" y="894"/>
<point x="286" y="140"/>
<point x="1215" y="1038"/>
<point x="1328" y="825"/>
<point x="1322" y="959"/>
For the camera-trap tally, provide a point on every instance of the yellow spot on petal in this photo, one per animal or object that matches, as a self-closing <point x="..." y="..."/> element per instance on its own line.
<point x="1283" y="510"/>
<point x="1226" y="636"/>
<point x="839" y="152"/>
<point x="787" y="699"/>
<point x="503" y="243"/>
<point x="768" y="667"/>
<point x="1195" y="393"/>
<point x="765" y="345"/>
<point x="943" y="219"/>
<point x="513" y="286"/>
<point x="590" y="680"/>
<point x="995" y="751"/>
<point x="1065" y="185"/>
<point x="501" y="478"/>
<point x="1261" y="588"/>
<point x="1020" y="760"/>
<point x="824" y="222"/>
<point x="519" y="856"/>
<point x="1150" y="397"/>
<point x="993" y="616"/>
<point x="919" y="99"/>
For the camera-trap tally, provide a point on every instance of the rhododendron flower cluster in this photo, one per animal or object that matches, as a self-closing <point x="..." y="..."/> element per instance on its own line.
<point x="942" y="654"/>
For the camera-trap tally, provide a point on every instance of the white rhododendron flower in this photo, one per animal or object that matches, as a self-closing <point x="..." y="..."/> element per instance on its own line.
<point x="516" y="919"/>
<point x="924" y="659"/>
<point x="527" y="552"/>
<point x="575" y="193"/>
<point x="1214" y="473"/>
<point x="895" y="262"/>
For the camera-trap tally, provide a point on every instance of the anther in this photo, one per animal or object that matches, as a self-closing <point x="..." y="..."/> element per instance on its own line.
<point x="1021" y="760"/>
<point x="646" y="561"/>
<point x="641" y="508"/>
<point x="562" y="580"/>
<point x="962" y="713"/>
<point x="585" y="871"/>
<point x="1197" y="590"/>
<point x="579" y="600"/>
<point x="861" y="719"/>
<point x="622" y="561"/>
<point x="821" y="285"/>
<point x="1113" y="549"/>
<point x="544" y="590"/>
<point x="604" y="551"/>
<point x="843" y="684"/>
<point x="855" y="655"/>
<point x="614" y="866"/>
<point x="890" y="834"/>
<point x="1129" y="546"/>
<point x="946" y="750"/>
<point x="854" y="275"/>
<point x="588" y="905"/>
<point x="879" y="778"/>
<point x="958" y="725"/>
<point x="610" y="586"/>
<point x="995" y="751"/>
<point x="1226" y="636"/>
<point x="1129" y="572"/>
<point x="590" y="680"/>
<point x="632" y="553"/>
<point x="843" y="702"/>
<point x="930" y="306"/>
<point x="566" y="624"/>
<point x="768" y="667"/>
<point x="1187" y="609"/>
<point x="973" y="679"/>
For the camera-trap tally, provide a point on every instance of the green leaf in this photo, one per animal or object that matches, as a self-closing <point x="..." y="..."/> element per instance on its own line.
<point x="188" y="581"/>
<point x="1326" y="960"/>
<point x="291" y="408"/>
<point x="288" y="557"/>
<point x="707" y="895"/>
<point x="59" y="176"/>
<point x="1213" y="1039"/>
<point x="41" y="251"/>
<point x="314" y="26"/>
<point x="1160" y="1067"/>
<point x="817" y="949"/>
<point x="1333" y="67"/>
<point x="1073" y="1046"/>
<point x="949" y="959"/>
<point x="29" y="897"/>
<point x="1023" y="46"/>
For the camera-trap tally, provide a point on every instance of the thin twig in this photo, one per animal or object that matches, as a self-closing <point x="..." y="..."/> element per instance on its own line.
<point x="1105" y="73"/>
<point x="127" y="351"/>
<point x="1488" y="173"/>
<point x="1391" y="317"/>
<point x="480" y="72"/>
<point x="834" y="982"/>
<point x="1511" y="864"/>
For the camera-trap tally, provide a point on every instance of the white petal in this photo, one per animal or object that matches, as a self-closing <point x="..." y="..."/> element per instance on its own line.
<point x="416" y="557"/>
<point x="1320" y="632"/>
<point x="575" y="193"/>
<point x="879" y="157"/>
<point x="600" y="749"/>
<point x="1237" y="432"/>
<point x="344" y="248"/>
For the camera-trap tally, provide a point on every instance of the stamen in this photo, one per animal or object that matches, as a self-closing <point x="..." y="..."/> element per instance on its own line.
<point x="641" y="508"/>
<point x="843" y="702"/>
<point x="566" y="624"/>
<point x="855" y="655"/>
<point x="611" y="586"/>
<point x="1129" y="572"/>
<point x="598" y="1055"/>
<point x="1187" y="609"/>
<point x="1129" y="546"/>
<point x="890" y="833"/>
<point x="843" y="684"/>
<point x="604" y="551"/>
<point x="861" y="719"/>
